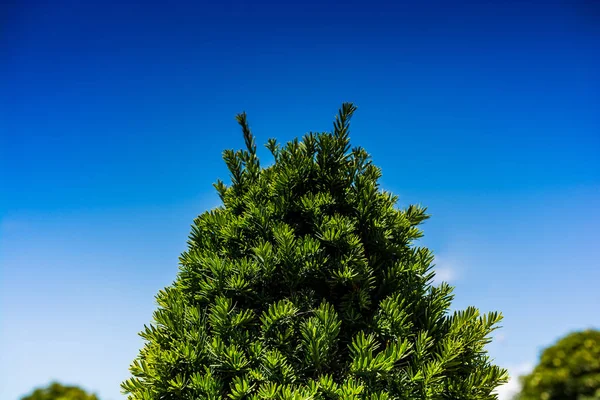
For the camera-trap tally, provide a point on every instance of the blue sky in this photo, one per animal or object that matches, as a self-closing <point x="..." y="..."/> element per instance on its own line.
<point x="113" y="119"/>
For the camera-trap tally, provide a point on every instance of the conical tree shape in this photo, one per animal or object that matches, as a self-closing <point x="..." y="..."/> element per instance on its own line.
<point x="306" y="284"/>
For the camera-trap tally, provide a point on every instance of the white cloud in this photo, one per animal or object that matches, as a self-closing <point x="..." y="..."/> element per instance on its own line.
<point x="445" y="270"/>
<point x="510" y="389"/>
<point x="500" y="337"/>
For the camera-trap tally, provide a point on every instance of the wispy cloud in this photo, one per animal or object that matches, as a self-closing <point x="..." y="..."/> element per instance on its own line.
<point x="445" y="270"/>
<point x="500" y="337"/>
<point x="510" y="389"/>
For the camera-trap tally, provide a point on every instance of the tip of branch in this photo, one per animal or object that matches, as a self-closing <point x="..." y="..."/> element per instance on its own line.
<point x="248" y="137"/>
<point x="342" y="120"/>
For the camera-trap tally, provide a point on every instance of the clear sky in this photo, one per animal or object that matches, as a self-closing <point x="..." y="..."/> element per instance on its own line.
<point x="113" y="119"/>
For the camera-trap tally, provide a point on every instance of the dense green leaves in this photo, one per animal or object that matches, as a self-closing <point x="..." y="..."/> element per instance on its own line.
<point x="569" y="370"/>
<point x="307" y="284"/>
<point x="57" y="391"/>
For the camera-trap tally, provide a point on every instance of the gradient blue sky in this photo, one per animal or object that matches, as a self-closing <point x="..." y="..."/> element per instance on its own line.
<point x="113" y="119"/>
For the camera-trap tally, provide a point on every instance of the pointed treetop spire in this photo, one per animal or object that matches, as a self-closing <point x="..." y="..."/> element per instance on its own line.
<point x="248" y="137"/>
<point x="342" y="120"/>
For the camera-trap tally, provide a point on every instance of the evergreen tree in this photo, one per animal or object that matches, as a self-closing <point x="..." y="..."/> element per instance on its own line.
<point x="568" y="370"/>
<point x="306" y="284"/>
<point x="57" y="391"/>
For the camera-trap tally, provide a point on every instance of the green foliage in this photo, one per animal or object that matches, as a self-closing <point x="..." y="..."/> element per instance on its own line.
<point x="56" y="391"/>
<point x="306" y="284"/>
<point x="568" y="370"/>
